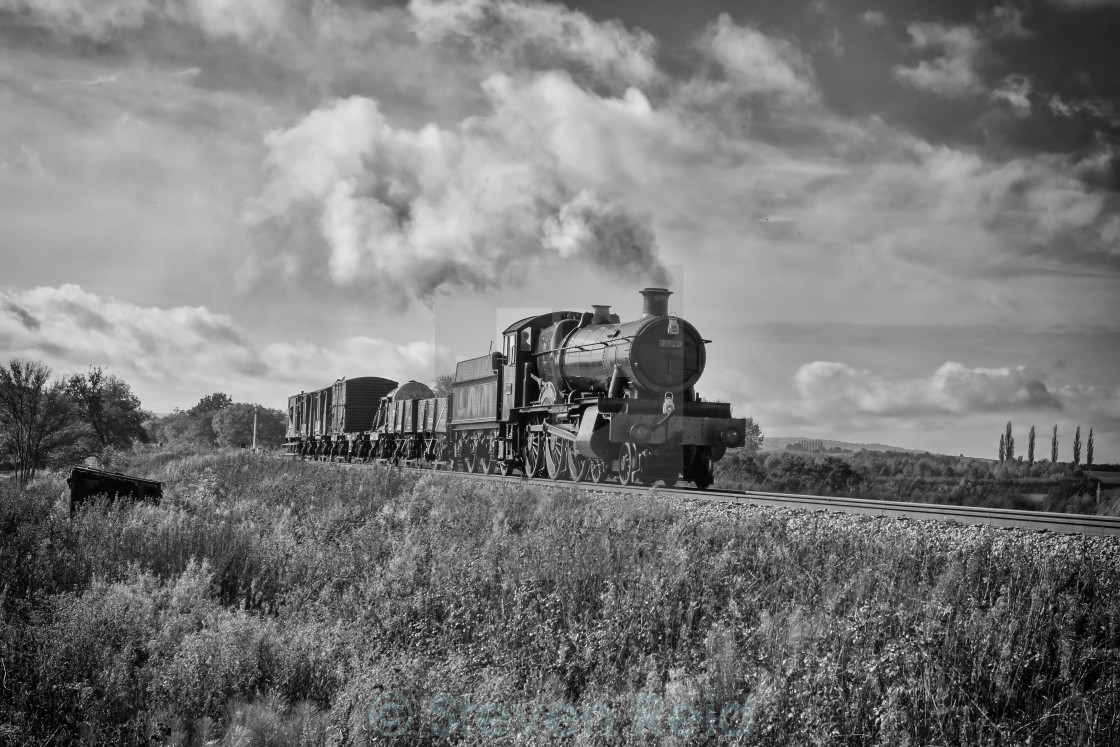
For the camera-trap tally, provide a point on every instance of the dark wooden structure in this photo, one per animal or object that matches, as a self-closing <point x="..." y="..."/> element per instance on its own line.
<point x="86" y="482"/>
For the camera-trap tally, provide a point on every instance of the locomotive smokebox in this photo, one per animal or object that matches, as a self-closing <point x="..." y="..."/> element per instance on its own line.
<point x="655" y="302"/>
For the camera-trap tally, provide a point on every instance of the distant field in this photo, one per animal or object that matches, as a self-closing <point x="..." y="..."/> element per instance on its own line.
<point x="779" y="443"/>
<point x="275" y="602"/>
<point x="1108" y="479"/>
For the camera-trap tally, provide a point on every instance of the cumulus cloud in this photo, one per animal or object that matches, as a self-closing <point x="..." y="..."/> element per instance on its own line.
<point x="952" y="72"/>
<point x="79" y="327"/>
<point x="411" y="212"/>
<point x="953" y="389"/>
<point x="71" y="328"/>
<point x="539" y="36"/>
<point x="940" y="205"/>
<point x="242" y="19"/>
<point x="1100" y="402"/>
<point x="757" y="64"/>
<point x="21" y="315"/>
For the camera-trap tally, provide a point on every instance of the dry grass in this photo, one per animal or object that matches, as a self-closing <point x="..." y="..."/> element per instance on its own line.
<point x="270" y="603"/>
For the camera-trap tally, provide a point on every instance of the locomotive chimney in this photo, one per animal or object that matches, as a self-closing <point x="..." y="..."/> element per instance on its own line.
<point x="602" y="314"/>
<point x="655" y="302"/>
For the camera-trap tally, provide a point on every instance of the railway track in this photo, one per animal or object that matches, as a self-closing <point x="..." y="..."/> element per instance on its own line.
<point x="1035" y="521"/>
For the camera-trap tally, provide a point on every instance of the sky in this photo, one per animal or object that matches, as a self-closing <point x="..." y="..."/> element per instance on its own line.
<point x="897" y="222"/>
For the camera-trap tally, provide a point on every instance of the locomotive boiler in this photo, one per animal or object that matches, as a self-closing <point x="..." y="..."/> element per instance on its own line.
<point x="571" y="395"/>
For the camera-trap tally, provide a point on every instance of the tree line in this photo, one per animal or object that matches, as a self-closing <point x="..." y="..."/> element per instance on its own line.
<point x="1007" y="447"/>
<point x="47" y="420"/>
<point x="216" y="420"/>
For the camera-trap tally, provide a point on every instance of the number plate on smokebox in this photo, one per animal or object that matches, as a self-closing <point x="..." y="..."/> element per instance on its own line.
<point x="670" y="343"/>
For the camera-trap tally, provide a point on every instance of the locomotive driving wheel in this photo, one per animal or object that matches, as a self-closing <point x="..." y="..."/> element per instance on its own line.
<point x="554" y="460"/>
<point x="597" y="471"/>
<point x="531" y="455"/>
<point x="702" y="472"/>
<point x="629" y="471"/>
<point x="578" y="466"/>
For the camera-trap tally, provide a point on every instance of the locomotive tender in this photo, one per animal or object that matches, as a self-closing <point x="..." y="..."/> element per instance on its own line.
<point x="572" y="394"/>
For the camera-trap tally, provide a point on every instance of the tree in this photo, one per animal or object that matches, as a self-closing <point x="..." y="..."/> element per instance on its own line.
<point x="107" y="405"/>
<point x="233" y="425"/>
<point x="1054" y="446"/>
<point x="196" y="426"/>
<point x="1010" y="443"/>
<point x="442" y="384"/>
<point x="1077" y="447"/>
<point x="36" y="415"/>
<point x="1030" y="447"/>
<point x="181" y="429"/>
<point x="1089" y="451"/>
<point x="1002" y="447"/>
<point x="752" y="437"/>
<point x="210" y="404"/>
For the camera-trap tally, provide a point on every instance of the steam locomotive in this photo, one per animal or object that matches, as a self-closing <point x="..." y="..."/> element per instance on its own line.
<point x="572" y="395"/>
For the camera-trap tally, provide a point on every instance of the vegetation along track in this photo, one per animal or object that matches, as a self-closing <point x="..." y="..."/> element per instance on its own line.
<point x="997" y="517"/>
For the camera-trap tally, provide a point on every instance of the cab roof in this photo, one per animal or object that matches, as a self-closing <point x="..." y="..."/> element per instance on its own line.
<point x="553" y="317"/>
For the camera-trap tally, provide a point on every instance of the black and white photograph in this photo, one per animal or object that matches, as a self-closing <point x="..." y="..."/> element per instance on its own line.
<point x="540" y="372"/>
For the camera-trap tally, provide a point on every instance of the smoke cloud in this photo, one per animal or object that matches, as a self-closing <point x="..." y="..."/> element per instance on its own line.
<point x="410" y="213"/>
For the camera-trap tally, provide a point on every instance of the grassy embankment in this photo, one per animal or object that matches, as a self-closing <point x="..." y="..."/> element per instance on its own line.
<point x="267" y="602"/>
<point x="922" y="478"/>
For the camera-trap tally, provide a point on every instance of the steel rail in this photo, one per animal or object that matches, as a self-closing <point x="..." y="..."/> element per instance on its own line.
<point x="1036" y="521"/>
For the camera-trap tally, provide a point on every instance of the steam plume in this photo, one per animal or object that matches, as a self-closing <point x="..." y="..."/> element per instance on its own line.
<point x="408" y="213"/>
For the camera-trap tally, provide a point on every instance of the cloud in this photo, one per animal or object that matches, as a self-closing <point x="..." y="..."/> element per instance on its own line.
<point x="98" y="81"/>
<point x="539" y="36"/>
<point x="1015" y="90"/>
<point x="1099" y="402"/>
<point x="1083" y="4"/>
<point x="756" y="64"/>
<point x="1100" y="108"/>
<point x="1101" y="169"/>
<point x="954" y="389"/>
<point x="188" y="347"/>
<point x="25" y="161"/>
<point x="413" y="212"/>
<point x="96" y="21"/>
<point x="246" y="20"/>
<point x="76" y="327"/>
<point x="1006" y="22"/>
<point x="873" y="18"/>
<point x="21" y="315"/>
<point x="937" y="206"/>
<point x="952" y="72"/>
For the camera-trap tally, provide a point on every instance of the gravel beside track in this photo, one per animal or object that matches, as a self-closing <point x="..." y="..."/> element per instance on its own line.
<point x="1098" y="550"/>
